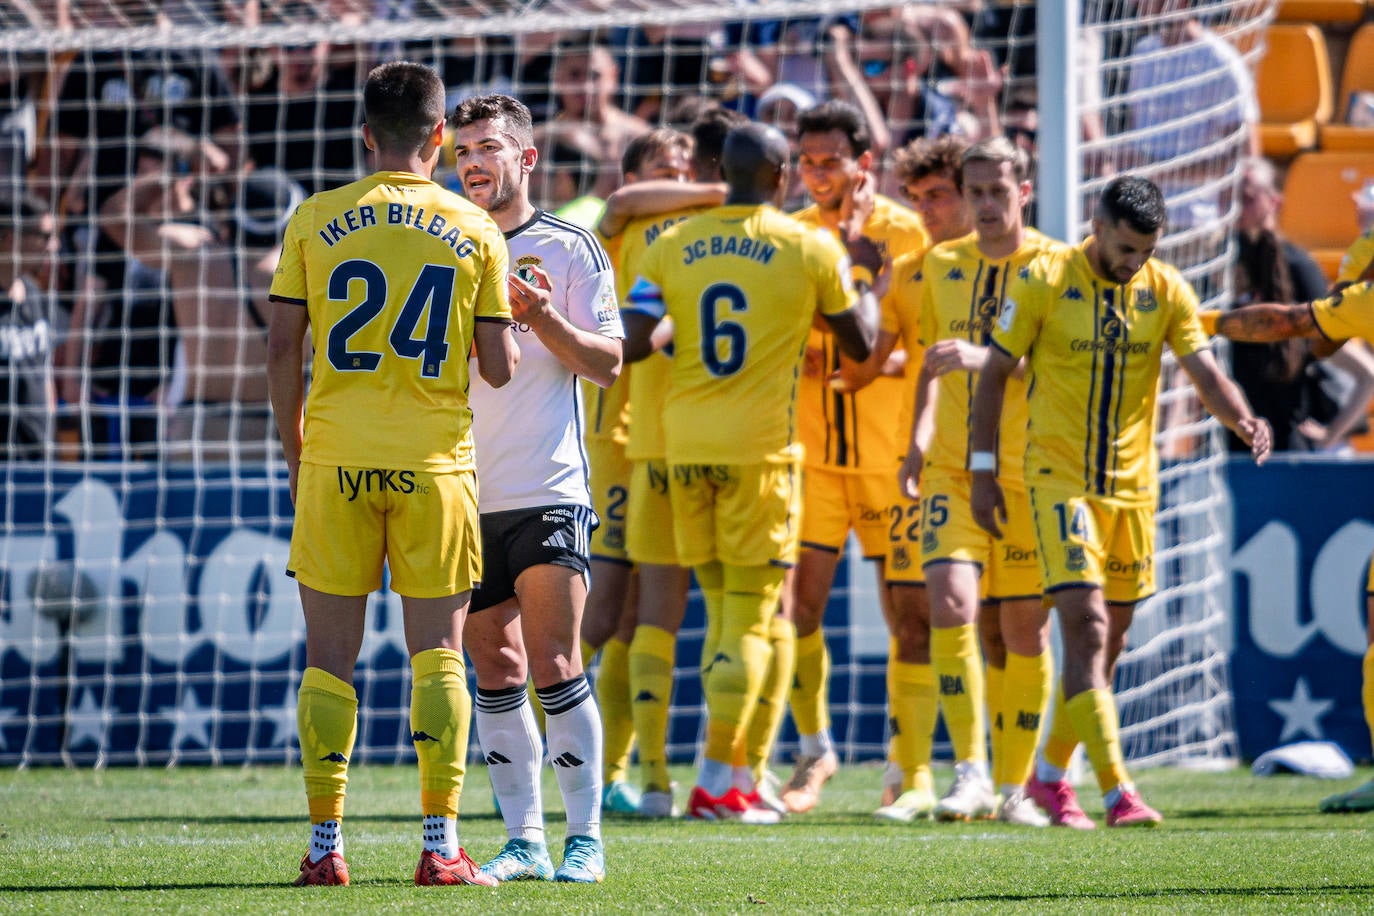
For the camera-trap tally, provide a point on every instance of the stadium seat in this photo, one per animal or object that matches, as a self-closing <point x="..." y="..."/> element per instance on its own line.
<point x="1294" y="86"/>
<point x="1336" y="12"/>
<point x="1317" y="211"/>
<point x="1357" y="76"/>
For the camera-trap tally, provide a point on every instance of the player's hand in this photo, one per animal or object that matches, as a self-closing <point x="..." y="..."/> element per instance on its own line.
<point x="909" y="474"/>
<point x="988" y="504"/>
<point x="813" y="362"/>
<point x="1255" y="432"/>
<point x="857" y="206"/>
<point x="954" y="355"/>
<point x="530" y="302"/>
<point x="864" y="252"/>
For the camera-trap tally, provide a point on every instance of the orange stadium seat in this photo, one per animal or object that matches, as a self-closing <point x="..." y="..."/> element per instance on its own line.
<point x="1327" y="11"/>
<point x="1317" y="211"/>
<point x="1357" y="76"/>
<point x="1294" y="85"/>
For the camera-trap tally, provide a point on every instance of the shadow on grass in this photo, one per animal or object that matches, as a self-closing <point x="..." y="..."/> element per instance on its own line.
<point x="279" y="819"/>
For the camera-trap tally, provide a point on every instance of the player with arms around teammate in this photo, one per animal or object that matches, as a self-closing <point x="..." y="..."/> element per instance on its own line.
<point x="395" y="279"/>
<point x="741" y="284"/>
<point x="1092" y="321"/>
<point x="852" y="419"/>
<point x="535" y="503"/>
<point x="963" y="287"/>
<point x="1347" y="313"/>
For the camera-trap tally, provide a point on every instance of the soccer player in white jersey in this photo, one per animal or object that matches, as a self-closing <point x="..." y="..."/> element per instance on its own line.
<point x="535" y="502"/>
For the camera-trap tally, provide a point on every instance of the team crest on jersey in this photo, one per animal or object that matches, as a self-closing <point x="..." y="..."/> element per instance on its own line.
<point x="1074" y="559"/>
<point x="524" y="267"/>
<point x="930" y="542"/>
<point x="1145" y="300"/>
<point x="955" y="273"/>
<point x="901" y="560"/>
<point x="1073" y="294"/>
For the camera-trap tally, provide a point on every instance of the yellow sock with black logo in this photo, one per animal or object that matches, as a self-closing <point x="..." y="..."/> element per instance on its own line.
<point x="1026" y="693"/>
<point x="993" y="679"/>
<point x="1094" y="718"/>
<point x="912" y="709"/>
<point x="750" y="599"/>
<point x="651" y="685"/>
<point x="1062" y="740"/>
<point x="767" y="718"/>
<point x="959" y="681"/>
<point x="711" y="580"/>
<point x="1368" y="692"/>
<point x="440" y="722"/>
<point x="613" y="698"/>
<point x="809" y="685"/>
<point x="327" y="723"/>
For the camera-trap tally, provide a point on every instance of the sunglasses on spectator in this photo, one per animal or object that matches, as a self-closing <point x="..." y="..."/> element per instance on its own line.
<point x="1015" y="131"/>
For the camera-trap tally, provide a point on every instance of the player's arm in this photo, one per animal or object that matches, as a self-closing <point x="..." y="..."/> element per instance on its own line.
<point x="856" y="328"/>
<point x="989" y="507"/>
<point x="1265" y="322"/>
<point x="659" y="195"/>
<point x="922" y="432"/>
<point x="588" y="354"/>
<point x="1225" y="401"/>
<point x="854" y="376"/>
<point x="286" y="379"/>
<point x="497" y="352"/>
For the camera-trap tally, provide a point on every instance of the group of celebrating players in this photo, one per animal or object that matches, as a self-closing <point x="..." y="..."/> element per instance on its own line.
<point x="975" y="400"/>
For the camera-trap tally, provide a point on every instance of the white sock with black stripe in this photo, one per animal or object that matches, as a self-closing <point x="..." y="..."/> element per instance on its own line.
<point x="510" y="743"/>
<point x="573" y="726"/>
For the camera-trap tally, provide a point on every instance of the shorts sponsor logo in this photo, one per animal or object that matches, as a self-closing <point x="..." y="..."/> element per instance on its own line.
<point x="378" y="480"/>
<point x="555" y="516"/>
<point x="1011" y="554"/>
<point x="690" y="473"/>
<point x="1116" y="567"/>
<point x="658" y="479"/>
<point x="870" y="514"/>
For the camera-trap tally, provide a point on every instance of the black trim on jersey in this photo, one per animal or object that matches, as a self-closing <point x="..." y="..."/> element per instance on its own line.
<point x="823" y="548"/>
<point x="1104" y="403"/>
<point x="579" y="418"/>
<point x="273" y="297"/>
<point x="523" y="226"/>
<point x="493" y="318"/>
<point x="1318" y="325"/>
<point x="1092" y="388"/>
<point x="599" y="256"/>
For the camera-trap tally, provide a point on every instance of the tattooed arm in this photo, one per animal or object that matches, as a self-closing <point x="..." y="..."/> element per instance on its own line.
<point x="1268" y="322"/>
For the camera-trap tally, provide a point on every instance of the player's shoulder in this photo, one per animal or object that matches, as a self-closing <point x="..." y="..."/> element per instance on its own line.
<point x="952" y="252"/>
<point x="809" y="215"/>
<point x="1162" y="277"/>
<point x="897" y="221"/>
<point x="577" y="243"/>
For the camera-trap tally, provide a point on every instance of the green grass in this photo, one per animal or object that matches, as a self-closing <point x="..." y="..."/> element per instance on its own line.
<point x="229" y="839"/>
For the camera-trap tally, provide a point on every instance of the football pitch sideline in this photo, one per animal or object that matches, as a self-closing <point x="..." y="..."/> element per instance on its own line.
<point x="229" y="840"/>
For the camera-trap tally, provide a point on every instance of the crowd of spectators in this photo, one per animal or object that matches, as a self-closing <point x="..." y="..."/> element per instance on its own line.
<point x="168" y="172"/>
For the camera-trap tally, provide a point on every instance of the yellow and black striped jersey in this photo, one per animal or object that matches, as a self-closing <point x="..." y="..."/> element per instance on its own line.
<point x="962" y="292"/>
<point x="1094" y="349"/>
<point x="866" y="430"/>
<point x="393" y="270"/>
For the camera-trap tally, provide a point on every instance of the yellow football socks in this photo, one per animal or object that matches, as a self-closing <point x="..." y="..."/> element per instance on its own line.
<point x="993" y="680"/>
<point x="808" y="695"/>
<point x="767" y="718"/>
<point x="327" y="721"/>
<point x="959" y="681"/>
<point x="651" y="684"/>
<point x="740" y="662"/>
<point x="912" y="708"/>
<point x="1368" y="691"/>
<point x="1026" y="692"/>
<point x="440" y="720"/>
<point x="613" y="698"/>
<point x="1062" y="740"/>
<point x="1094" y="718"/>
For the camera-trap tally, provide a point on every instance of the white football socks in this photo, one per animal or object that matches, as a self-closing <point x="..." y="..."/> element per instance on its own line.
<point x="510" y="743"/>
<point x="574" y="732"/>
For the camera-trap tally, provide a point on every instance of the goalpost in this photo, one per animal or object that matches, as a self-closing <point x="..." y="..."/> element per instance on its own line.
<point x="144" y="616"/>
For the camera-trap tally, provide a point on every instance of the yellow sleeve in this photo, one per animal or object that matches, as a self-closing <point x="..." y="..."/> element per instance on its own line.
<point x="1358" y="257"/>
<point x="1349" y="313"/>
<point x="1185" y="334"/>
<point x="830" y="272"/>
<point x="492" y="297"/>
<point x="288" y="283"/>
<point x="1022" y="314"/>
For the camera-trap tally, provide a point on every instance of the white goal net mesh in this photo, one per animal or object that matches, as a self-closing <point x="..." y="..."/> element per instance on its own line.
<point x="144" y="614"/>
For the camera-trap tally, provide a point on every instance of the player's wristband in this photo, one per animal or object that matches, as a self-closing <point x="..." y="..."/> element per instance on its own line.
<point x="861" y="274"/>
<point x="982" y="461"/>
<point x="1209" y="321"/>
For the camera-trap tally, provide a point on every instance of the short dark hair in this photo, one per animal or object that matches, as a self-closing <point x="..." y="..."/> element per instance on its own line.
<point x="922" y="157"/>
<point x="646" y="146"/>
<point x="708" y="133"/>
<point x="20" y="210"/>
<point x="402" y="101"/>
<point x="512" y="112"/>
<point x="1136" y="200"/>
<point x="837" y="115"/>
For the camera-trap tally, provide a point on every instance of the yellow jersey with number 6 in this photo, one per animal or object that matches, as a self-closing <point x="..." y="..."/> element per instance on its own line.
<point x="741" y="283"/>
<point x="393" y="270"/>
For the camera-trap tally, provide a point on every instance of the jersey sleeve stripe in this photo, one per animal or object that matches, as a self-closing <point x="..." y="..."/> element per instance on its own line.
<point x="599" y="256"/>
<point x="495" y="318"/>
<point x="1315" y="322"/>
<point x="286" y="299"/>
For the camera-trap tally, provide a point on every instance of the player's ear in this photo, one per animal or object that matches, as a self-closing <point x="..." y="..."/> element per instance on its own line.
<point x="865" y="160"/>
<point x="528" y="157"/>
<point x="368" y="140"/>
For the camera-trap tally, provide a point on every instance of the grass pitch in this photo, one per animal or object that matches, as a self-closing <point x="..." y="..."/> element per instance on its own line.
<point x="229" y="840"/>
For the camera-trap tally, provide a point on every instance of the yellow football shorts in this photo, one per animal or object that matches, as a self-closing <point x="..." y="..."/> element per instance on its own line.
<point x="610" y="485"/>
<point x="1094" y="540"/>
<point x="833" y="502"/>
<point x="350" y="520"/>
<point x="649" y="527"/>
<point x="1009" y="567"/>
<point x="745" y="515"/>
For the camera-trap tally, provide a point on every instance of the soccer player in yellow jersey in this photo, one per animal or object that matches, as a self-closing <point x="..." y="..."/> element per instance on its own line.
<point x="395" y="279"/>
<point x="1092" y="322"/>
<point x="741" y="284"/>
<point x="963" y="284"/>
<point x="929" y="174"/>
<point x="609" y="623"/>
<point x="851" y="420"/>
<point x="1345" y="314"/>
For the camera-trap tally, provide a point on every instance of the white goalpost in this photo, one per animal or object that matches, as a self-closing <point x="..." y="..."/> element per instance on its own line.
<point x="145" y="617"/>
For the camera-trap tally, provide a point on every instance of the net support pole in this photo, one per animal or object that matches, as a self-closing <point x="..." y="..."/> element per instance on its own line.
<point x="1058" y="167"/>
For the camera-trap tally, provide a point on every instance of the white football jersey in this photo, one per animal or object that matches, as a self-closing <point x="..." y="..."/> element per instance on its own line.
<point x="529" y="433"/>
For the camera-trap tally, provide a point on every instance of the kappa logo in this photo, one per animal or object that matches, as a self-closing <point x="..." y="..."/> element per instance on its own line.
<point x="568" y="760"/>
<point x="496" y="757"/>
<point x="720" y="657"/>
<point x="1073" y="294"/>
<point x="955" y="273"/>
<point x="1024" y="272"/>
<point x="419" y="736"/>
<point x="893" y="727"/>
<point x="335" y="757"/>
<point x="647" y="696"/>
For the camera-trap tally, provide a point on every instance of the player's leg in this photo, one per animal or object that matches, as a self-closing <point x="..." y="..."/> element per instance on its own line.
<point x="809" y="695"/>
<point x="766" y="721"/>
<point x="1361" y="798"/>
<point x="911" y="703"/>
<point x="994" y="670"/>
<point x="434" y="577"/>
<point x="609" y="632"/>
<point x="662" y="606"/>
<point x="337" y="550"/>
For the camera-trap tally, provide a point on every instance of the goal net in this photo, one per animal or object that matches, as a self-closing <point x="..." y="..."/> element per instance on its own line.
<point x="144" y="616"/>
